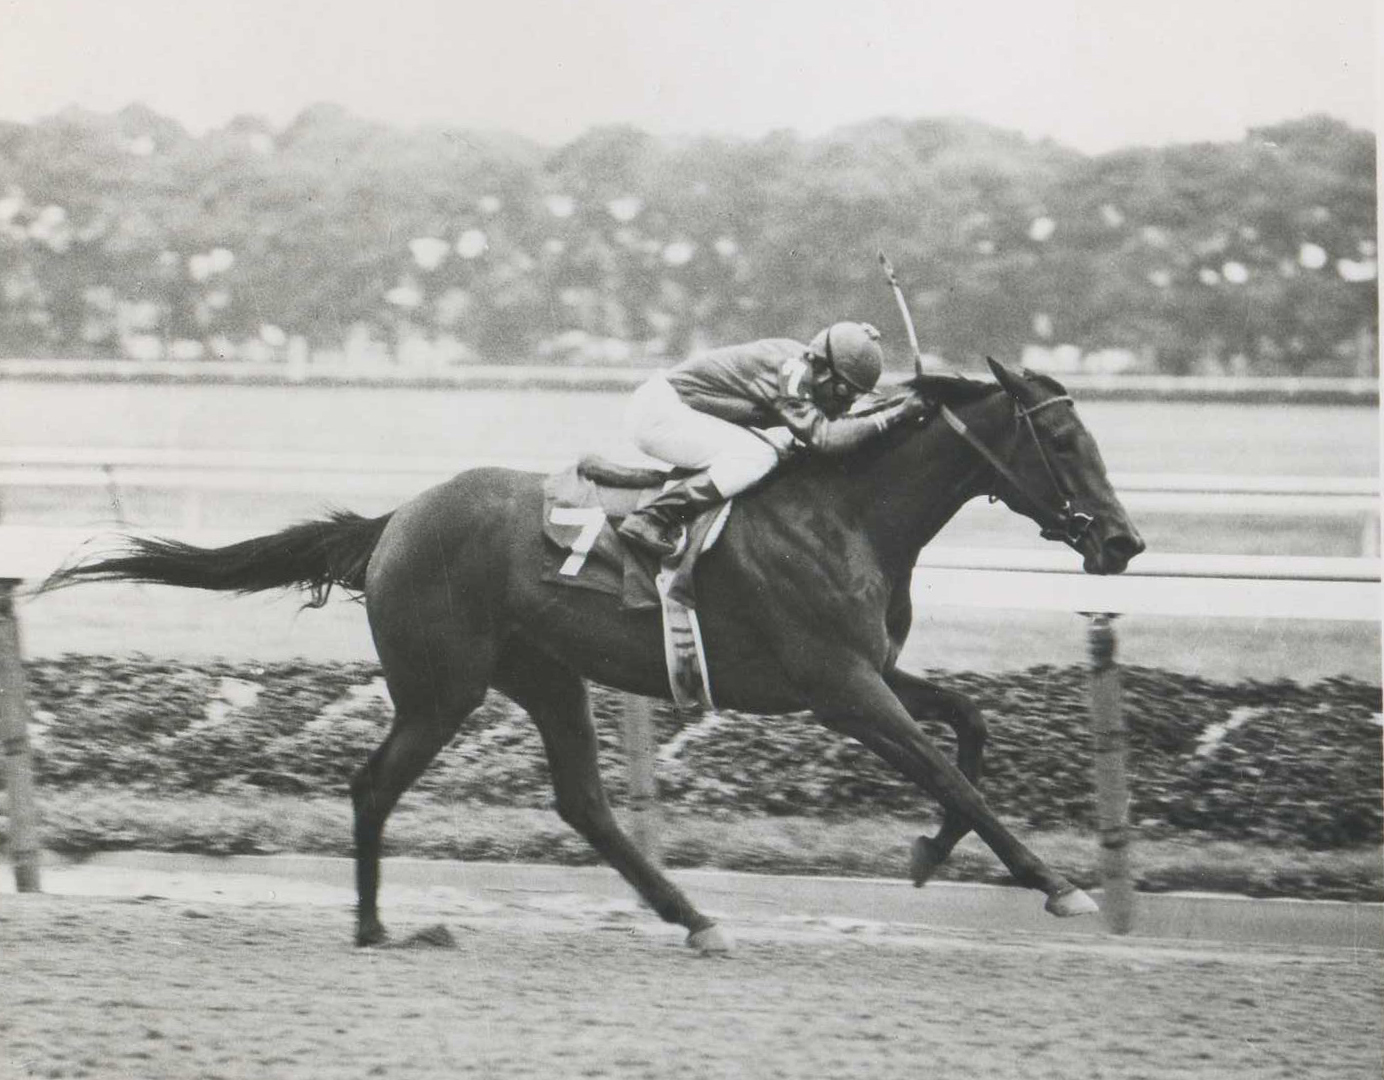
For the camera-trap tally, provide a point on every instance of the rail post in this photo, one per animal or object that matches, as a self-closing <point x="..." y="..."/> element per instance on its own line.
<point x="14" y="739"/>
<point x="1112" y="786"/>
<point x="637" y="729"/>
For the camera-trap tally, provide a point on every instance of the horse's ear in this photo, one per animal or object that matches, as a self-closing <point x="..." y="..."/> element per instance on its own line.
<point x="1014" y="384"/>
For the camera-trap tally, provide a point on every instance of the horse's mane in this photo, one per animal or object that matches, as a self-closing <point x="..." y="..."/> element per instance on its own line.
<point x="946" y="389"/>
<point x="952" y="389"/>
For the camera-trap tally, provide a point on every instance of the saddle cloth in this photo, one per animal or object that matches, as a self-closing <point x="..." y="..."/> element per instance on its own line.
<point x="579" y="521"/>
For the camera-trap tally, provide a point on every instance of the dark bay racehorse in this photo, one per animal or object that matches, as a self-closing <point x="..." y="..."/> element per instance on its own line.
<point x="804" y="604"/>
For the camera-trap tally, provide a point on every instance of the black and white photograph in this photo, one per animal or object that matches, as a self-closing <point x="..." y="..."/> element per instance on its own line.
<point x="645" y="540"/>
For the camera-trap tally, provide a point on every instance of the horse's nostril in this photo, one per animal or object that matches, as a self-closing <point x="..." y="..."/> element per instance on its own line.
<point x="1125" y="545"/>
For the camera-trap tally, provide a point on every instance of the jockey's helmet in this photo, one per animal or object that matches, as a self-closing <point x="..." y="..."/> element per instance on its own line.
<point x="852" y="353"/>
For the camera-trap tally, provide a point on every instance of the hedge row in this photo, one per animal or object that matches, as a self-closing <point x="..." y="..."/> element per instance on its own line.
<point x="1276" y="762"/>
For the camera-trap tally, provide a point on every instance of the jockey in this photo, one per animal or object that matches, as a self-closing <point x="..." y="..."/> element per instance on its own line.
<point x="710" y="413"/>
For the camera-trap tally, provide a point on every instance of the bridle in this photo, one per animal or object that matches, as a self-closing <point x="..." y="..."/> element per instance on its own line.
<point x="1065" y="523"/>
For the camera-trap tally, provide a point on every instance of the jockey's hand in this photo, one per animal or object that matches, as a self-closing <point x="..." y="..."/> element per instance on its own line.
<point x="912" y="409"/>
<point x="783" y="442"/>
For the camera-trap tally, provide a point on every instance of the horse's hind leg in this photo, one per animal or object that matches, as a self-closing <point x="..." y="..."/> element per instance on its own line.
<point x="925" y="700"/>
<point x="556" y="699"/>
<point x="410" y="745"/>
<point x="427" y="712"/>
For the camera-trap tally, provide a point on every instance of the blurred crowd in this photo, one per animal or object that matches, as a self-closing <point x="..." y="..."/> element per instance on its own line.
<point x="338" y="240"/>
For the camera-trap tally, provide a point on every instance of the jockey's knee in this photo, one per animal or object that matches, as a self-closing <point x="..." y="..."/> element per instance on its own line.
<point x="733" y="473"/>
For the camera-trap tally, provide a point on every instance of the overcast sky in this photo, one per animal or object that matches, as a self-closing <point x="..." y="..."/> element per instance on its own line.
<point x="1093" y="74"/>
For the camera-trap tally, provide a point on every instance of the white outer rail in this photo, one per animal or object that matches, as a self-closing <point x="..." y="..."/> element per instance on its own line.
<point x="1200" y="586"/>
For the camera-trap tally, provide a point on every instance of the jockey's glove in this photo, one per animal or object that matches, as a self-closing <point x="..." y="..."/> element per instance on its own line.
<point x="911" y="409"/>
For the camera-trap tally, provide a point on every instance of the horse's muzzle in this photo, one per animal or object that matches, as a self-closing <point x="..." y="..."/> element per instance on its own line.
<point x="1112" y="553"/>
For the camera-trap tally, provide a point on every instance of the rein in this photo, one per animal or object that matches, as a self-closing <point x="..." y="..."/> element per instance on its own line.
<point x="1065" y="523"/>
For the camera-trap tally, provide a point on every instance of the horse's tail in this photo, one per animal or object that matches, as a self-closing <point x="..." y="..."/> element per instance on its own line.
<point x="314" y="556"/>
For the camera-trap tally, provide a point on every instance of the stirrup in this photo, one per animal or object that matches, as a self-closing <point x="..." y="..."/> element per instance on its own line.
<point x="679" y="543"/>
<point x="641" y="533"/>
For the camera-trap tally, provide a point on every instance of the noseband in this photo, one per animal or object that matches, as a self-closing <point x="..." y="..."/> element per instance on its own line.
<point x="1065" y="523"/>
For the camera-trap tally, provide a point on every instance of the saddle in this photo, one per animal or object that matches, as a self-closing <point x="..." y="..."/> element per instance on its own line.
<point x="582" y="508"/>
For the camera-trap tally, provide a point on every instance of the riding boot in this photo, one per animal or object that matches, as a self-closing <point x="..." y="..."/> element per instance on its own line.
<point x="660" y="526"/>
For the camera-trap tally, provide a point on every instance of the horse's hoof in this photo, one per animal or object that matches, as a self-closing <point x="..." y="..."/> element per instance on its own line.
<point x="1070" y="901"/>
<point x="374" y="934"/>
<point x="709" y="941"/>
<point x="922" y="861"/>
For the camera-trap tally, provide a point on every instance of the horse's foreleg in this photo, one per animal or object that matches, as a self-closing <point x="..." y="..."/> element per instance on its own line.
<point x="557" y="701"/>
<point x="859" y="704"/>
<point x="926" y="700"/>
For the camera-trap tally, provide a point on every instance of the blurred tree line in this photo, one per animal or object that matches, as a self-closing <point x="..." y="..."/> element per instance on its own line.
<point x="335" y="237"/>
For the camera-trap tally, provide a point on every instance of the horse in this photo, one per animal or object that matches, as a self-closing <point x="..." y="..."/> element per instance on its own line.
<point x="803" y="604"/>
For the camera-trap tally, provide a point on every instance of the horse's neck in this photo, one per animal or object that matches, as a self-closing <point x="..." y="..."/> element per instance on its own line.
<point x="918" y="484"/>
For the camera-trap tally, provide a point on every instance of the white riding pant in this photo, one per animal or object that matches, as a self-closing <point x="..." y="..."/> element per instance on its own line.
<point x="663" y="427"/>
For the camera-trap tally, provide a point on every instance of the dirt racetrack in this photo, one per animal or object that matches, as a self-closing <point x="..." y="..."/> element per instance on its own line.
<point x="261" y="982"/>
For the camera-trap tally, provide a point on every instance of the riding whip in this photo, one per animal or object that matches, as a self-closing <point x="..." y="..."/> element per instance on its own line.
<point x="903" y="310"/>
